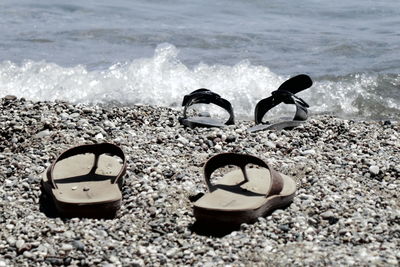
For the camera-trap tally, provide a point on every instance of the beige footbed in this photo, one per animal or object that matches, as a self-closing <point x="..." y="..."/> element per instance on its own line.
<point x="243" y="195"/>
<point x="77" y="186"/>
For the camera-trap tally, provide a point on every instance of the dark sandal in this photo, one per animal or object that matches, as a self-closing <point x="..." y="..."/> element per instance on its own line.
<point x="284" y="94"/>
<point x="205" y="96"/>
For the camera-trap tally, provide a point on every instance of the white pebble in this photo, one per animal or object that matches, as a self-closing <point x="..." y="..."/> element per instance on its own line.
<point x="19" y="243"/>
<point x="308" y="152"/>
<point x="99" y="136"/>
<point x="43" y="133"/>
<point x="374" y="169"/>
<point x="273" y="136"/>
<point x="67" y="247"/>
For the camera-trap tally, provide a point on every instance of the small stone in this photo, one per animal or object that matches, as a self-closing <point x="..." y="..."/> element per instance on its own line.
<point x="74" y="188"/>
<point x="69" y="234"/>
<point x="183" y="140"/>
<point x="108" y="123"/>
<point x="27" y="254"/>
<point x="77" y="244"/>
<point x="43" y="133"/>
<point x="270" y="144"/>
<point x="86" y="188"/>
<point x="113" y="259"/>
<point x="87" y="110"/>
<point x="19" y="244"/>
<point x="138" y="262"/>
<point x="64" y="116"/>
<point x="273" y="136"/>
<point x="142" y="250"/>
<point x="99" y="136"/>
<point x="11" y="241"/>
<point x="327" y="214"/>
<point x="67" y="247"/>
<point x="308" y="152"/>
<point x="374" y="169"/>
<point x="230" y="139"/>
<point x="284" y="228"/>
<point x="217" y="147"/>
<point x="171" y="252"/>
<point x="10" y="97"/>
<point x="3" y="263"/>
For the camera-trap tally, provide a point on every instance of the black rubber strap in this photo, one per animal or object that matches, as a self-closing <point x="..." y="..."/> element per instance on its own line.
<point x="97" y="150"/>
<point x="205" y="96"/>
<point x="281" y="96"/>
<point x="241" y="160"/>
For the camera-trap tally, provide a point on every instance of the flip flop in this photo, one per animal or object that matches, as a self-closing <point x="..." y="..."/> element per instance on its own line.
<point x="85" y="181"/>
<point x="242" y="195"/>
<point x="286" y="94"/>
<point x="205" y="96"/>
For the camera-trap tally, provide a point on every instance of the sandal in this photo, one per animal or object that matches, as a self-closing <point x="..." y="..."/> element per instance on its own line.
<point x="86" y="181"/>
<point x="242" y="195"/>
<point x="286" y="94"/>
<point x="205" y="96"/>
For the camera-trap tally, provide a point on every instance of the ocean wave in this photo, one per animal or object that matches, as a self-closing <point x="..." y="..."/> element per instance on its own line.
<point x="163" y="80"/>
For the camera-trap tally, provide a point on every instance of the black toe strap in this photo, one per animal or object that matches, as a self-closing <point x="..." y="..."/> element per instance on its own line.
<point x="205" y="96"/>
<point x="286" y="94"/>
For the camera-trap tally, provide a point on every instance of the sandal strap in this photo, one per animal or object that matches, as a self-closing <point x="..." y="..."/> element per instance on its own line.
<point x="286" y="94"/>
<point x="205" y="96"/>
<point x="97" y="150"/>
<point x="241" y="160"/>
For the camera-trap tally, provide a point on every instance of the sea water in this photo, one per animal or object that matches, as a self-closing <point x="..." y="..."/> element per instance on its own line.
<point x="125" y="52"/>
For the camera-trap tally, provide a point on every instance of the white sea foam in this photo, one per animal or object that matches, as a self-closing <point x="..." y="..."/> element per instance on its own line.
<point x="163" y="80"/>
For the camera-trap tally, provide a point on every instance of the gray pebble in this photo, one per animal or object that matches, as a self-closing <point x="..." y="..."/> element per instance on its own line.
<point x="77" y="244"/>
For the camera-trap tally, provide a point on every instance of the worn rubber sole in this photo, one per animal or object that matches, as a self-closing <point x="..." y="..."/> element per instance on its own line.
<point x="210" y="216"/>
<point x="287" y="125"/>
<point x="105" y="210"/>
<point x="201" y="122"/>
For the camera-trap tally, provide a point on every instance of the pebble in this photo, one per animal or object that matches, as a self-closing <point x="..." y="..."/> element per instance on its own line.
<point x="308" y="152"/>
<point x="327" y="214"/>
<point x="10" y="97"/>
<point x="273" y="136"/>
<point x="11" y="241"/>
<point x="67" y="247"/>
<point x="43" y="133"/>
<point x="27" y="254"/>
<point x="230" y="138"/>
<point x="338" y="215"/>
<point x="77" y="244"/>
<point x="374" y="169"/>
<point x="19" y="243"/>
<point x="270" y="144"/>
<point x="99" y="136"/>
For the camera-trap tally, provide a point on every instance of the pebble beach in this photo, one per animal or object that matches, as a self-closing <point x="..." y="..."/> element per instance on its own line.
<point x="346" y="211"/>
